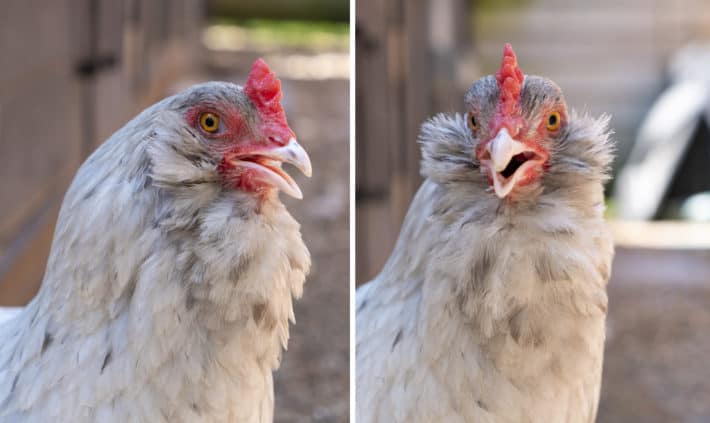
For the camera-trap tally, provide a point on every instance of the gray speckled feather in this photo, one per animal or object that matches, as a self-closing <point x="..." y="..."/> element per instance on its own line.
<point x="166" y="296"/>
<point x="491" y="310"/>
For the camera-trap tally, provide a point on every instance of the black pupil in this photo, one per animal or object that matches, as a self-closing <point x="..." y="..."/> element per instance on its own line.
<point x="209" y="122"/>
<point x="553" y="119"/>
<point x="473" y="121"/>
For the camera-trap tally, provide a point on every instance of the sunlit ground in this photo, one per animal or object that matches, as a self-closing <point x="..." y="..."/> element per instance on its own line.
<point x="295" y="50"/>
<point x="661" y="234"/>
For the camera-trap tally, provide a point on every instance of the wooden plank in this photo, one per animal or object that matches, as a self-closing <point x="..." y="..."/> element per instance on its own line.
<point x="372" y="115"/>
<point x="39" y="126"/>
<point x="56" y="106"/>
<point x="395" y="93"/>
<point x="22" y="266"/>
<point x="24" y="24"/>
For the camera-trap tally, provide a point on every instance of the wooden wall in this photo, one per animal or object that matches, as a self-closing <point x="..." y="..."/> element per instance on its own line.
<point x="73" y="71"/>
<point x="403" y="74"/>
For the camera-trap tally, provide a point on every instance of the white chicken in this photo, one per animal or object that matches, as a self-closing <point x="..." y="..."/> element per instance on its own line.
<point x="492" y="306"/>
<point x="168" y="290"/>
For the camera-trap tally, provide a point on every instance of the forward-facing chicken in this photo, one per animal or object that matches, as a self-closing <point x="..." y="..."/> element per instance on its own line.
<point x="492" y="306"/>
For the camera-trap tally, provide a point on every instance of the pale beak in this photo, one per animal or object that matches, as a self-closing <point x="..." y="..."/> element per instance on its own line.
<point x="295" y="154"/>
<point x="501" y="150"/>
<point x="268" y="164"/>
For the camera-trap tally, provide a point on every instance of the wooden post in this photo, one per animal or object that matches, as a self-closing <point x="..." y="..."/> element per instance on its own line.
<point x="58" y="103"/>
<point x="405" y="73"/>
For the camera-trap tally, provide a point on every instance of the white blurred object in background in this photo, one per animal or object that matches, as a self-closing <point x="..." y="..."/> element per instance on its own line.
<point x="666" y="135"/>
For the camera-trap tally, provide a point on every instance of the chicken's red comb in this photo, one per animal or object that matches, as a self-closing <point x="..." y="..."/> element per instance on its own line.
<point x="510" y="81"/>
<point x="264" y="90"/>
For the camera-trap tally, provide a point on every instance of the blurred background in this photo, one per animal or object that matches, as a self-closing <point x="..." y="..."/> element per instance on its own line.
<point x="645" y="62"/>
<point x="74" y="71"/>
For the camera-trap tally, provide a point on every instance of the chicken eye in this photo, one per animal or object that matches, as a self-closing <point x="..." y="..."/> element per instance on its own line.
<point x="554" y="121"/>
<point x="472" y="122"/>
<point x="209" y="122"/>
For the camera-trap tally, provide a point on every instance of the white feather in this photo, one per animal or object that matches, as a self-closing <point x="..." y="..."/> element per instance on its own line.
<point x="7" y="313"/>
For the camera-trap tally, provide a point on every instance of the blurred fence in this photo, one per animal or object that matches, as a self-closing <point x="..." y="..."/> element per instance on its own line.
<point x="73" y="71"/>
<point x="404" y="72"/>
<point x="322" y="10"/>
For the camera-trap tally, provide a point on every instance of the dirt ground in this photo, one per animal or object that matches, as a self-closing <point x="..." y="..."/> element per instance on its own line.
<point x="656" y="364"/>
<point x="313" y="382"/>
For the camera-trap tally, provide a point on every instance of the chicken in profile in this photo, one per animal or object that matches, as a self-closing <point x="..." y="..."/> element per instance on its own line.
<point x="492" y="306"/>
<point x="168" y="291"/>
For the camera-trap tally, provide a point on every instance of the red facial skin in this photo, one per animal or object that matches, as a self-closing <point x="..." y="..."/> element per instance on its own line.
<point x="235" y="139"/>
<point x="519" y="130"/>
<point x="509" y="115"/>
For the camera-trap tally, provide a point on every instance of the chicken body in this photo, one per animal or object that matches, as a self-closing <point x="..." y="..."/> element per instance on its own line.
<point x="492" y="309"/>
<point x="168" y="292"/>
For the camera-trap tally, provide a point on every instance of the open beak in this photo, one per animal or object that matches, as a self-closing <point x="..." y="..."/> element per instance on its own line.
<point x="268" y="165"/>
<point x="507" y="161"/>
